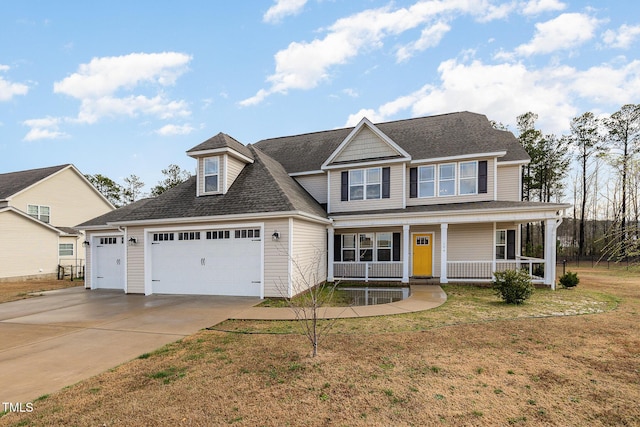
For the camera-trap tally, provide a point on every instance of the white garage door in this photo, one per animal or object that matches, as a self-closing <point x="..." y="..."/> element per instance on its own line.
<point x="207" y="262"/>
<point x="108" y="259"/>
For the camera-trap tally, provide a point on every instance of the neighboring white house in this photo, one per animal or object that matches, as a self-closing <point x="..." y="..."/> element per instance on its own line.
<point x="38" y="209"/>
<point x="436" y="197"/>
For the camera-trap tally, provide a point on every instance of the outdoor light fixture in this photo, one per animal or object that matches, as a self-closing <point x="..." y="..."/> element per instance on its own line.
<point x="86" y="243"/>
<point x="275" y="235"/>
<point x="133" y="241"/>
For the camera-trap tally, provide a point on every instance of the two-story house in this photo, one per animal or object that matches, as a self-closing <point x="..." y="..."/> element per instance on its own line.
<point x="38" y="209"/>
<point x="431" y="197"/>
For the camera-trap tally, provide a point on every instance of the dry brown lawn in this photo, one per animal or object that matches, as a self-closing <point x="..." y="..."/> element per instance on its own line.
<point x="12" y="291"/>
<point x="542" y="369"/>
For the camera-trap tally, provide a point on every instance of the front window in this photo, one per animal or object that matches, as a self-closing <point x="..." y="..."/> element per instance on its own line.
<point x="447" y="179"/>
<point x="367" y="247"/>
<point x="348" y="247"/>
<point x="365" y="184"/>
<point x="65" y="249"/>
<point x="426" y="181"/>
<point x="383" y="243"/>
<point x="501" y="244"/>
<point x="469" y="178"/>
<point x="211" y="174"/>
<point x="43" y="213"/>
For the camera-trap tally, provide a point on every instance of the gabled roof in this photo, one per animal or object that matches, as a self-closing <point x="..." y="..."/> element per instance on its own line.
<point x="115" y="215"/>
<point x="220" y="142"/>
<point x="446" y="135"/>
<point x="14" y="182"/>
<point x="385" y="146"/>
<point x="262" y="187"/>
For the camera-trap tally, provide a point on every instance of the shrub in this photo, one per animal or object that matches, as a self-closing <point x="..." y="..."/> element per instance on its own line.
<point x="569" y="280"/>
<point x="513" y="286"/>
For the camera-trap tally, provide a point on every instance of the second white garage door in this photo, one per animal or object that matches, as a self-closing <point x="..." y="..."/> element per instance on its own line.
<point x="207" y="262"/>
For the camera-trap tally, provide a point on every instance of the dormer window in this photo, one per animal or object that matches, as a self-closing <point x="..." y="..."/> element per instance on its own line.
<point x="211" y="174"/>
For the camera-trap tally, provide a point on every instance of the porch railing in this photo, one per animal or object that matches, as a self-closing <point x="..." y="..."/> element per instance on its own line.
<point x="483" y="270"/>
<point x="368" y="270"/>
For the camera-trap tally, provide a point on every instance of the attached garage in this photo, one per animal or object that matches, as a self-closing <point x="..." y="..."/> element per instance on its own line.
<point x="108" y="262"/>
<point x="207" y="261"/>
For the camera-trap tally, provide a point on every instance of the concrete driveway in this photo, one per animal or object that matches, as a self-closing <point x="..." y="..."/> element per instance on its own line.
<point x="58" y="339"/>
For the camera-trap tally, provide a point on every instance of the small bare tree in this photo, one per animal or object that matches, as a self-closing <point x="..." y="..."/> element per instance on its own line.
<point x="309" y="294"/>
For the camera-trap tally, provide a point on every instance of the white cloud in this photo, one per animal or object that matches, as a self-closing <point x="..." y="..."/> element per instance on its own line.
<point x="563" y="32"/>
<point x="534" y="7"/>
<point x="8" y="89"/>
<point x="430" y="37"/>
<point x="304" y="65"/>
<point x="104" y="76"/>
<point x="623" y="38"/>
<point x="282" y="9"/>
<point x="503" y="91"/>
<point x="46" y="128"/>
<point x="170" y="130"/>
<point x="351" y="92"/>
<point x="159" y="106"/>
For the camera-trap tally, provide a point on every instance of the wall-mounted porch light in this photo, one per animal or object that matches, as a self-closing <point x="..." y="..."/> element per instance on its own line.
<point x="133" y="241"/>
<point x="86" y="244"/>
<point x="275" y="235"/>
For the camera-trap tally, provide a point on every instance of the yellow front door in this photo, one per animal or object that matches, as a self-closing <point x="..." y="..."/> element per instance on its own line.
<point x="422" y="254"/>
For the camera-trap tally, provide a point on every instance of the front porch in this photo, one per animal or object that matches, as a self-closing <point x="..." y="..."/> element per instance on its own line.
<point x="457" y="271"/>
<point x="459" y="252"/>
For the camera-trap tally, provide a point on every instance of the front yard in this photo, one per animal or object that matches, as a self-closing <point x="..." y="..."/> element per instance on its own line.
<point x="12" y="291"/>
<point x="570" y="357"/>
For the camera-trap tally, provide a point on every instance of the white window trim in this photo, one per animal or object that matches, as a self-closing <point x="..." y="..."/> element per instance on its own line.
<point x="374" y="248"/>
<point x="364" y="184"/>
<point x="67" y="245"/>
<point x="435" y="181"/>
<point x="39" y="214"/>
<point x="455" y="179"/>
<point x="205" y="175"/>
<point x="496" y="244"/>
<point x="460" y="178"/>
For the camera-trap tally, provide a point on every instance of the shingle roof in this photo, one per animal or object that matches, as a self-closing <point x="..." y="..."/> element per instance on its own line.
<point x="13" y="182"/>
<point x="423" y="138"/>
<point x="114" y="215"/>
<point x="262" y="187"/>
<point x="222" y="140"/>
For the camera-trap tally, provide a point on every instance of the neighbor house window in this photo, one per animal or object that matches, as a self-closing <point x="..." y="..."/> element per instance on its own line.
<point x="426" y="181"/>
<point x="365" y="184"/>
<point x="468" y="178"/>
<point x="43" y="213"/>
<point x="65" y="249"/>
<point x="501" y="244"/>
<point x="211" y="174"/>
<point x="447" y="179"/>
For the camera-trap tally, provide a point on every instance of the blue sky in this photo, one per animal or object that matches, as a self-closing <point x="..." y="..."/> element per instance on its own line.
<point x="122" y="88"/>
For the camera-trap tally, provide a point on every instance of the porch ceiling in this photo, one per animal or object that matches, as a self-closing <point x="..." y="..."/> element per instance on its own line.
<point x="452" y="213"/>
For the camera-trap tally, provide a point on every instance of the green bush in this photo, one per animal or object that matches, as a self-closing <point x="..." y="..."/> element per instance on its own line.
<point x="569" y="280"/>
<point x="513" y="286"/>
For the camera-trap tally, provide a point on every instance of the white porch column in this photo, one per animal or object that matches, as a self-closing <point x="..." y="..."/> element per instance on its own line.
<point x="330" y="254"/>
<point x="444" y="228"/>
<point x="405" y="253"/>
<point x="550" y="233"/>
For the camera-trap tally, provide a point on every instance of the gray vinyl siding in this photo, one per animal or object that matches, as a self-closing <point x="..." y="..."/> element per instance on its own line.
<point x="316" y="185"/>
<point x="234" y="167"/>
<point x="393" y="202"/>
<point x="276" y="258"/>
<point x="470" y="242"/>
<point x="135" y="261"/>
<point x="457" y="198"/>
<point x="309" y="260"/>
<point x="509" y="182"/>
<point x="365" y="145"/>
